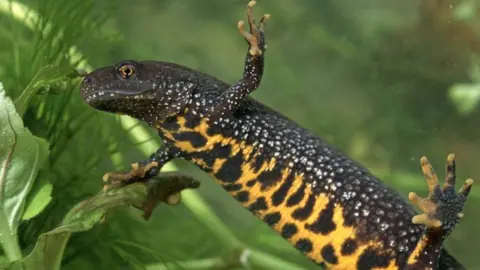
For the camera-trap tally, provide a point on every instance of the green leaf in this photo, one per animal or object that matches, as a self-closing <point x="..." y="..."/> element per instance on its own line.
<point x="48" y="251"/>
<point x="16" y="265"/>
<point x="39" y="198"/>
<point x="466" y="97"/>
<point x="45" y="76"/>
<point x="4" y="262"/>
<point x="21" y="157"/>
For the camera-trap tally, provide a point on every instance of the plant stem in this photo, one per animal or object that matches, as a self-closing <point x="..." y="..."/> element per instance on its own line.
<point x="262" y="260"/>
<point x="255" y="259"/>
<point x="205" y="214"/>
<point x="209" y="263"/>
<point x="9" y="240"/>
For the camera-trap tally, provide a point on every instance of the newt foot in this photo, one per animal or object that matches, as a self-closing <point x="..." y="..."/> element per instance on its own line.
<point x="443" y="207"/>
<point x="137" y="172"/>
<point x="166" y="188"/>
<point x="256" y="37"/>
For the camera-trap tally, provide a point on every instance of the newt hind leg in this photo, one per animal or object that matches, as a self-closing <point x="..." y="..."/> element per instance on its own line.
<point x="442" y="210"/>
<point x="443" y="207"/>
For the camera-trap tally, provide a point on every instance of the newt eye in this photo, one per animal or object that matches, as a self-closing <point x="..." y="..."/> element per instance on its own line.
<point x="126" y="71"/>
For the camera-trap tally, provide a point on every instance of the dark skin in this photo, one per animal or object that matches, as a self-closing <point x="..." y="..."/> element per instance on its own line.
<point x="330" y="208"/>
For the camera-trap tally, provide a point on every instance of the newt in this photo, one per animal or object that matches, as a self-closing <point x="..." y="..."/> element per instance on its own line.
<point x="329" y="207"/>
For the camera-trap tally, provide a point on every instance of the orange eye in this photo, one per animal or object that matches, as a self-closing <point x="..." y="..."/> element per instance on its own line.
<point x="126" y="71"/>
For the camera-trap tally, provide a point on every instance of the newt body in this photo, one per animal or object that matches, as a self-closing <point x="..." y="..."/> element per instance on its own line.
<point x="329" y="207"/>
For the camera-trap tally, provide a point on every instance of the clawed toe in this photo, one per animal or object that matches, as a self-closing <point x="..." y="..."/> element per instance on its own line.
<point x="467" y="186"/>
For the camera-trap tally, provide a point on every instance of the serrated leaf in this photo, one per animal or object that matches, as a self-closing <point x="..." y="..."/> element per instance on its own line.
<point x="39" y="198"/>
<point x="45" y="76"/>
<point x="48" y="251"/>
<point x="21" y="156"/>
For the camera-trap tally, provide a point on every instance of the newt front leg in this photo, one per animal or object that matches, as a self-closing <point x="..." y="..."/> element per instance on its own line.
<point x="229" y="100"/>
<point x="141" y="171"/>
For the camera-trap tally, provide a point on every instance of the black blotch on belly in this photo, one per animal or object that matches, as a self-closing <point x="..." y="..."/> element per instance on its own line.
<point x="217" y="129"/>
<point x="272" y="218"/>
<point x="209" y="160"/>
<point x="221" y="151"/>
<point x="242" y="196"/>
<point x="349" y="247"/>
<point x="251" y="183"/>
<point x="328" y="254"/>
<point x="324" y="223"/>
<point x="258" y="162"/>
<point x="289" y="230"/>
<point x="232" y="187"/>
<point x="281" y="193"/>
<point x="304" y="245"/>
<point x="218" y="151"/>
<point x="296" y="197"/>
<point x="192" y="121"/>
<point x="195" y="138"/>
<point x="371" y="259"/>
<point x="270" y="178"/>
<point x="259" y="204"/>
<point x="214" y="129"/>
<point x="171" y="124"/>
<point x="231" y="170"/>
<point x="304" y="212"/>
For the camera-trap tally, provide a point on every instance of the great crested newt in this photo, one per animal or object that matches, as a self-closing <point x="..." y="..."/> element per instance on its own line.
<point x="326" y="205"/>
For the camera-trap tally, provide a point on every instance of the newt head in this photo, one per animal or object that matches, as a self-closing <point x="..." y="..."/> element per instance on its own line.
<point x="147" y="90"/>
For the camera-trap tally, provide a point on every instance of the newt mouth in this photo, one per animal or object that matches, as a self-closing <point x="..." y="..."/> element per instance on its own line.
<point x="100" y="96"/>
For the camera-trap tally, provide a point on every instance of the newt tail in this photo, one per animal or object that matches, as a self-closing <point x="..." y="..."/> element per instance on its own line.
<point x="326" y="205"/>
